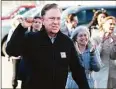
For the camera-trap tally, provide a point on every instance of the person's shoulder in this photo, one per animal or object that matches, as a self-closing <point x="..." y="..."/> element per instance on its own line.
<point x="65" y="37"/>
<point x="32" y="34"/>
<point x="64" y="30"/>
<point x="64" y="27"/>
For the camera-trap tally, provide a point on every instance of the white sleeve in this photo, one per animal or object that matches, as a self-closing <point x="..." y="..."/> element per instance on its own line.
<point x="9" y="35"/>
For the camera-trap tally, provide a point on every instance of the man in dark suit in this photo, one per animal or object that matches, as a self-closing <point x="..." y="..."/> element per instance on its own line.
<point x="48" y="53"/>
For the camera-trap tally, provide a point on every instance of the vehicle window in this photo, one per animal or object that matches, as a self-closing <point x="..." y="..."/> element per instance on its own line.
<point x="30" y="12"/>
<point x="111" y="12"/>
<point x="89" y="15"/>
<point x="23" y="10"/>
<point x="81" y="17"/>
<point x="85" y="16"/>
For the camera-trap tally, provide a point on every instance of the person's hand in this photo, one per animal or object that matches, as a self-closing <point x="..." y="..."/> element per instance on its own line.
<point x="106" y="36"/>
<point x="114" y="37"/>
<point x="77" y="48"/>
<point x="27" y="22"/>
<point x="93" y="48"/>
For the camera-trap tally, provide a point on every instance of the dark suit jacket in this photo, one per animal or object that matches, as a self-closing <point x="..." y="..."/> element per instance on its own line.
<point x="48" y="62"/>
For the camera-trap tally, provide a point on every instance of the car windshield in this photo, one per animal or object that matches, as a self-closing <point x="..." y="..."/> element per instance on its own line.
<point x="32" y="12"/>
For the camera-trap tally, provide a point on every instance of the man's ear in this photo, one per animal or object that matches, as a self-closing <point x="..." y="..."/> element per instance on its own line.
<point x="42" y="19"/>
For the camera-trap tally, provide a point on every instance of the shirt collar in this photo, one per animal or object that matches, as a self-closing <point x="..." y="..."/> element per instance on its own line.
<point x="52" y="38"/>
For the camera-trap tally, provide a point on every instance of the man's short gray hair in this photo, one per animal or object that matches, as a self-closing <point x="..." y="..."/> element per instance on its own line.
<point x="48" y="7"/>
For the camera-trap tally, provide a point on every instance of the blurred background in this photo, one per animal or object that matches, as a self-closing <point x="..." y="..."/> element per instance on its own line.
<point x="11" y="10"/>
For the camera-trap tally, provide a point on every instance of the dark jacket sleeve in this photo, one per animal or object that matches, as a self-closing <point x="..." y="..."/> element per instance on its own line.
<point x="95" y="61"/>
<point x="14" y="46"/>
<point x="78" y="72"/>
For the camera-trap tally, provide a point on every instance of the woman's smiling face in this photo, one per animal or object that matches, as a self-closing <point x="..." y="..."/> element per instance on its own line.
<point x="82" y="38"/>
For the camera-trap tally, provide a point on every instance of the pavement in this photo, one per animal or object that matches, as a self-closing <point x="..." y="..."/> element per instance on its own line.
<point x="7" y="74"/>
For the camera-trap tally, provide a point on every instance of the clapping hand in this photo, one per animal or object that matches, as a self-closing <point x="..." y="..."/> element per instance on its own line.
<point x="93" y="48"/>
<point x="106" y="36"/>
<point x="114" y="38"/>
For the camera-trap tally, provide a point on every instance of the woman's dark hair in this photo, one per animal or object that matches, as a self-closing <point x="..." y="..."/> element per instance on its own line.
<point x="94" y="21"/>
<point x="48" y="7"/>
<point x="70" y="17"/>
<point x="95" y="16"/>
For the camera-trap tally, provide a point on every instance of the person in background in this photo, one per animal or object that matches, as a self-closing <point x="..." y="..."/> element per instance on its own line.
<point x="112" y="71"/>
<point x="37" y="24"/>
<point x="88" y="56"/>
<point x="70" y="24"/>
<point x="111" y="81"/>
<point x="47" y="53"/>
<point x="98" y="16"/>
<point x="113" y="51"/>
<point x="15" y="59"/>
<point x="105" y="42"/>
<point x="19" y="71"/>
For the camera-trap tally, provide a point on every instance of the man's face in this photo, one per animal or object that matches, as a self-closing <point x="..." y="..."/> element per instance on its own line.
<point x="37" y="24"/>
<point x="51" y="20"/>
